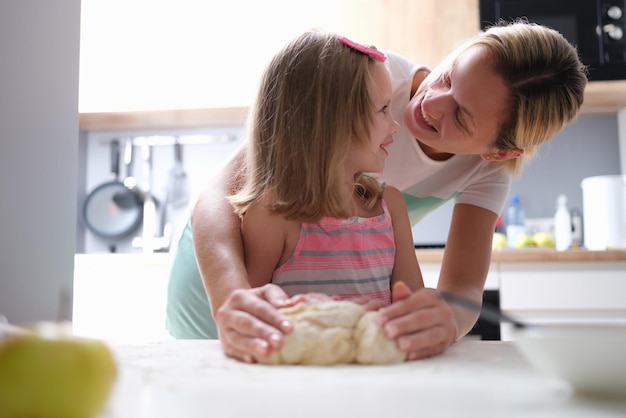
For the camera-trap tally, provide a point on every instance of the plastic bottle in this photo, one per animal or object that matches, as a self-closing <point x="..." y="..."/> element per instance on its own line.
<point x="577" y="228"/>
<point x="515" y="220"/>
<point x="562" y="225"/>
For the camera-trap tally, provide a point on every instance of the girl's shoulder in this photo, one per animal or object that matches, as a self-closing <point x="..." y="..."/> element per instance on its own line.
<point x="391" y="192"/>
<point x="260" y="214"/>
<point x="393" y="198"/>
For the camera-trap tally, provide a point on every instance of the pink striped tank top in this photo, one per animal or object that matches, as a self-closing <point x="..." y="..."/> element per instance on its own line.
<point x="343" y="257"/>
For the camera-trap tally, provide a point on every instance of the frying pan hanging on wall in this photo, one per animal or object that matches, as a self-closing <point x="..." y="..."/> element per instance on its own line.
<point x="112" y="210"/>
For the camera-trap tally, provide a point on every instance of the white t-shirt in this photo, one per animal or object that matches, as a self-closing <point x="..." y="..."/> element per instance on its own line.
<point x="426" y="183"/>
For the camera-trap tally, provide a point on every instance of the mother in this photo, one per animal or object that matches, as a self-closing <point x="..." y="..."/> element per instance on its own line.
<point x="467" y="128"/>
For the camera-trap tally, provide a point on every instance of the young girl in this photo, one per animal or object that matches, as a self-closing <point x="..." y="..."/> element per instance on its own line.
<point x="313" y="217"/>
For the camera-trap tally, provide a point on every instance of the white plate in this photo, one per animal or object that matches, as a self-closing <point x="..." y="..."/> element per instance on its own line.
<point x="591" y="357"/>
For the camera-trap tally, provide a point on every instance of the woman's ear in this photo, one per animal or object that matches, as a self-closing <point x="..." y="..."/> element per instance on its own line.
<point x="501" y="155"/>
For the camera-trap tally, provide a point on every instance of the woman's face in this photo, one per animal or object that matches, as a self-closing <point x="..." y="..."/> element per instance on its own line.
<point x="461" y="111"/>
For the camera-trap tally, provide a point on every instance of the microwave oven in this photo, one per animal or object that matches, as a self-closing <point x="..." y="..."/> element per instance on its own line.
<point x="596" y="27"/>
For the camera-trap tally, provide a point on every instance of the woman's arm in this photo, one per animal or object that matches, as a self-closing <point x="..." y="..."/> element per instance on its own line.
<point x="217" y="238"/>
<point x="466" y="259"/>
<point x="247" y="319"/>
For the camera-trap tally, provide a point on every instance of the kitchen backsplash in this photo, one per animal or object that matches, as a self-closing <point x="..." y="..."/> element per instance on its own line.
<point x="589" y="146"/>
<point x="203" y="152"/>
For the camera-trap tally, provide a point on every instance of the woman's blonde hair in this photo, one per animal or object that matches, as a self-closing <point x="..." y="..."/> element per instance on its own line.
<point x="313" y="103"/>
<point x="546" y="81"/>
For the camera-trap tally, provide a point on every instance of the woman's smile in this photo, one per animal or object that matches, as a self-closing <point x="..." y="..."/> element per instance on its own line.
<point x="421" y="119"/>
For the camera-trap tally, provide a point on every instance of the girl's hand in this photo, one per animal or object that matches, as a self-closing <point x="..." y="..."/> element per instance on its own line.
<point x="421" y="322"/>
<point x="249" y="323"/>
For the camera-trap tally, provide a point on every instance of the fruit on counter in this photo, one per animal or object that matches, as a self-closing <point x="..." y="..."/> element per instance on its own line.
<point x="523" y="240"/>
<point x="48" y="373"/>
<point x="543" y="239"/>
<point x="499" y="241"/>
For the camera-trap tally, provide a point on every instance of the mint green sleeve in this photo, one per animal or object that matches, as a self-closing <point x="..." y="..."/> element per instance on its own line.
<point x="188" y="313"/>
<point x="418" y="207"/>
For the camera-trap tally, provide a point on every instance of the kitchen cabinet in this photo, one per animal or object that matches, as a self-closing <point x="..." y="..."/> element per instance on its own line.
<point x="563" y="291"/>
<point x="430" y="274"/>
<point x="164" y="69"/>
<point x="535" y="285"/>
<point x="424" y="31"/>
<point x="601" y="97"/>
<point x="541" y="285"/>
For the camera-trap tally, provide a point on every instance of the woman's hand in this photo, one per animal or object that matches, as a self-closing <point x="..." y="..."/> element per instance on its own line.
<point x="249" y="323"/>
<point x="422" y="324"/>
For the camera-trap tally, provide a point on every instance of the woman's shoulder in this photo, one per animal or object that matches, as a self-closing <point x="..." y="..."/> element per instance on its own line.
<point x="401" y="67"/>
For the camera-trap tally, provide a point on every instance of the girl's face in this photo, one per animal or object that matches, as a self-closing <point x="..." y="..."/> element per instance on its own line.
<point x="461" y="111"/>
<point x="372" y="158"/>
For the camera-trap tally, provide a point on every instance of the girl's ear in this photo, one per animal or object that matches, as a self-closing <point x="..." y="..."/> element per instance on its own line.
<point x="501" y="155"/>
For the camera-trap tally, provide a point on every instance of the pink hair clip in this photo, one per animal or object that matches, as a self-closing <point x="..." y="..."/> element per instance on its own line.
<point x="372" y="52"/>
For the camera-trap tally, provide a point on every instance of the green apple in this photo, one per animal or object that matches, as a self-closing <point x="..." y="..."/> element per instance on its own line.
<point x="543" y="239"/>
<point x="54" y="376"/>
<point x="499" y="241"/>
<point x="523" y="241"/>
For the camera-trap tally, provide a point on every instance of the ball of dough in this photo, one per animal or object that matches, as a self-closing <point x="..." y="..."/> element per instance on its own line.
<point x="373" y="347"/>
<point x="322" y="334"/>
<point x="334" y="332"/>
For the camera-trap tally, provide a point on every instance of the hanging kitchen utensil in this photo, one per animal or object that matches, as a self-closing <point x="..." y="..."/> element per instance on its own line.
<point x="126" y="198"/>
<point x="178" y="185"/>
<point x="113" y="211"/>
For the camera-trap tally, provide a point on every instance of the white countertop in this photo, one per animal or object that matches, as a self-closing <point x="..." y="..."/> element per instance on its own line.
<point x="472" y="378"/>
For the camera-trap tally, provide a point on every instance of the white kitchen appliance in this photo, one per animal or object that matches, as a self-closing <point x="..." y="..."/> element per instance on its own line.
<point x="604" y="212"/>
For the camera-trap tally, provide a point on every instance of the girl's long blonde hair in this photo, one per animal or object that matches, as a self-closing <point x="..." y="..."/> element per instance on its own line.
<point x="313" y="103"/>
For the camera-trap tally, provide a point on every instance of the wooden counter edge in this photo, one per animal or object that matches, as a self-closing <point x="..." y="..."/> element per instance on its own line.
<point x="163" y="119"/>
<point x="534" y="255"/>
<point x="600" y="97"/>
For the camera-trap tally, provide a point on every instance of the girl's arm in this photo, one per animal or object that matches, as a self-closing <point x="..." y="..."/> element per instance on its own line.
<point x="406" y="268"/>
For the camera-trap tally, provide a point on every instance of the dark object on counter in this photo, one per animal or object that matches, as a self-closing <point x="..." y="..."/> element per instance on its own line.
<point x="112" y="210"/>
<point x="487" y="312"/>
<point x="488" y="330"/>
<point x="596" y="27"/>
<point x="429" y="246"/>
